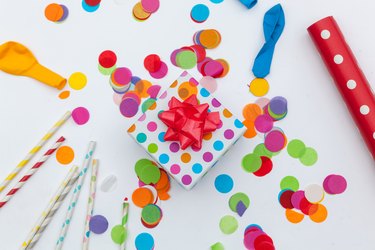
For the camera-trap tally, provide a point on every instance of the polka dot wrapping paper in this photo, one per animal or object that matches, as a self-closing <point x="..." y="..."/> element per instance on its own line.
<point x="189" y="165"/>
<point x="349" y="78"/>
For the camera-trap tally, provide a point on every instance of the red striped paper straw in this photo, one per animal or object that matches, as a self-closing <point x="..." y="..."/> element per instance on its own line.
<point x="348" y="76"/>
<point x="31" y="171"/>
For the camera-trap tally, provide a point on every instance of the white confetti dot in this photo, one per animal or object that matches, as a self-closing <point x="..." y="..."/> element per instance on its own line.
<point x="325" y="34"/>
<point x="314" y="193"/>
<point x="351" y="84"/>
<point x="364" y="110"/>
<point x="338" y="59"/>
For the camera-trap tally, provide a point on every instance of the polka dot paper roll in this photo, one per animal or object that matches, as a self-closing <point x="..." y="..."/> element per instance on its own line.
<point x="349" y="78"/>
<point x="189" y="165"/>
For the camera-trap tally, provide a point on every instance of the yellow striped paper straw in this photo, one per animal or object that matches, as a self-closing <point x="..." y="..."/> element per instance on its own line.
<point x="56" y="197"/>
<point x="34" y="150"/>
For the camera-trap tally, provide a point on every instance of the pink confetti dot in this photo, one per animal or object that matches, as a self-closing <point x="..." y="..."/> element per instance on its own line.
<point x="80" y="115"/>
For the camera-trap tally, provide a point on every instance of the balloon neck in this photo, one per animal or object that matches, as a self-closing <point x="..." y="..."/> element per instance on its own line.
<point x="46" y="76"/>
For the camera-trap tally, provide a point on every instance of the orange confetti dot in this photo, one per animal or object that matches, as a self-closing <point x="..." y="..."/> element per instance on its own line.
<point x="163" y="181"/>
<point x="250" y="132"/>
<point x="65" y="94"/>
<point x="293" y="216"/>
<point x="320" y="215"/>
<point x="251" y="111"/>
<point x="185" y="157"/>
<point x="65" y="155"/>
<point x="141" y="88"/>
<point x="142" y="197"/>
<point x="153" y="106"/>
<point x="54" y="12"/>
<point x="174" y="84"/>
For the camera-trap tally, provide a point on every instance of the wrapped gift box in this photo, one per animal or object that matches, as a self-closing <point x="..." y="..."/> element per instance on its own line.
<point x="187" y="166"/>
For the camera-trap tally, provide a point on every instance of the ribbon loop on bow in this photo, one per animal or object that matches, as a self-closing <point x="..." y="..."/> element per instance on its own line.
<point x="188" y="121"/>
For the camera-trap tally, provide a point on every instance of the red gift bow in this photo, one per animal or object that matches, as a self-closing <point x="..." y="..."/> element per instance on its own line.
<point x="188" y="121"/>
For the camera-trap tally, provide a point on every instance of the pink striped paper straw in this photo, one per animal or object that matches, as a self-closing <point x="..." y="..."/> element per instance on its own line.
<point x="31" y="171"/>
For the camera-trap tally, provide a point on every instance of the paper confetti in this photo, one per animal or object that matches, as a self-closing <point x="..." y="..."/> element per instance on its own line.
<point x="200" y="13"/>
<point x="256" y="238"/>
<point x="80" y="115"/>
<point x="109" y="183"/>
<point x="144" y="241"/>
<point x="299" y="203"/>
<point x="228" y="224"/>
<point x="98" y="224"/>
<point x="224" y="183"/>
<point x="65" y="155"/>
<point x="237" y="198"/>
<point x="77" y="81"/>
<point x="56" y="12"/>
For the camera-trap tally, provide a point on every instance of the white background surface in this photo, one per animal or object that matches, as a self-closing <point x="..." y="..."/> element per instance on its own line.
<point x="317" y="115"/>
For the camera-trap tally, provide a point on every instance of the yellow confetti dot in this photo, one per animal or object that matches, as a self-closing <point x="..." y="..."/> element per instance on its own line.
<point x="77" y="81"/>
<point x="259" y="87"/>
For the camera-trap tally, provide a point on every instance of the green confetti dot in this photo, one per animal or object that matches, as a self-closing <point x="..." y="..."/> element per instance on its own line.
<point x="150" y="174"/>
<point x="236" y="198"/>
<point x="141" y="164"/>
<point x="289" y="182"/>
<point x="217" y="246"/>
<point x="261" y="150"/>
<point x="152" y="148"/>
<point x="106" y="71"/>
<point x="119" y="234"/>
<point x="93" y="178"/>
<point x="309" y="158"/>
<point x="296" y="148"/>
<point x="228" y="224"/>
<point x="251" y="163"/>
<point x="151" y="214"/>
<point x="186" y="59"/>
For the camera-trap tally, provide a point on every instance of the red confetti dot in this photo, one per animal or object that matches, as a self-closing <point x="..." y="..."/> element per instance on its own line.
<point x="286" y="199"/>
<point x="152" y="63"/>
<point x="107" y="59"/>
<point x="266" y="167"/>
<point x="92" y="2"/>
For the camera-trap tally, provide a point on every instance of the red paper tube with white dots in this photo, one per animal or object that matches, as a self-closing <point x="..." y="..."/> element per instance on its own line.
<point x="349" y="78"/>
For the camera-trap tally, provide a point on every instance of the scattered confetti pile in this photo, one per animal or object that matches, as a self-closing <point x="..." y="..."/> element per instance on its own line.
<point x="256" y="239"/>
<point x="299" y="203"/>
<point x="154" y="184"/>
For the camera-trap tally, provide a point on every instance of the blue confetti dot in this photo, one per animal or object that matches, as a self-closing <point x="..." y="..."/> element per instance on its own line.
<point x="164" y="158"/>
<point x="218" y="145"/>
<point x="224" y="183"/>
<point x="204" y="92"/>
<point x="161" y="137"/>
<point x="216" y="1"/>
<point x="238" y="123"/>
<point x="197" y="168"/>
<point x="199" y="13"/>
<point x="67" y="221"/>
<point x="144" y="241"/>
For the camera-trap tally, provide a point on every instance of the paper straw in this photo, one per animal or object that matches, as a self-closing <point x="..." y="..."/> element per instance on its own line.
<point x="34" y="150"/>
<point x="348" y="76"/>
<point x="125" y="213"/>
<point x="90" y="204"/>
<point x="31" y="171"/>
<point x="74" y="199"/>
<point x="51" y="208"/>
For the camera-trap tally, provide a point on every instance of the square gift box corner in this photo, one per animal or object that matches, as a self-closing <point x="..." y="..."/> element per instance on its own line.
<point x="186" y="166"/>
